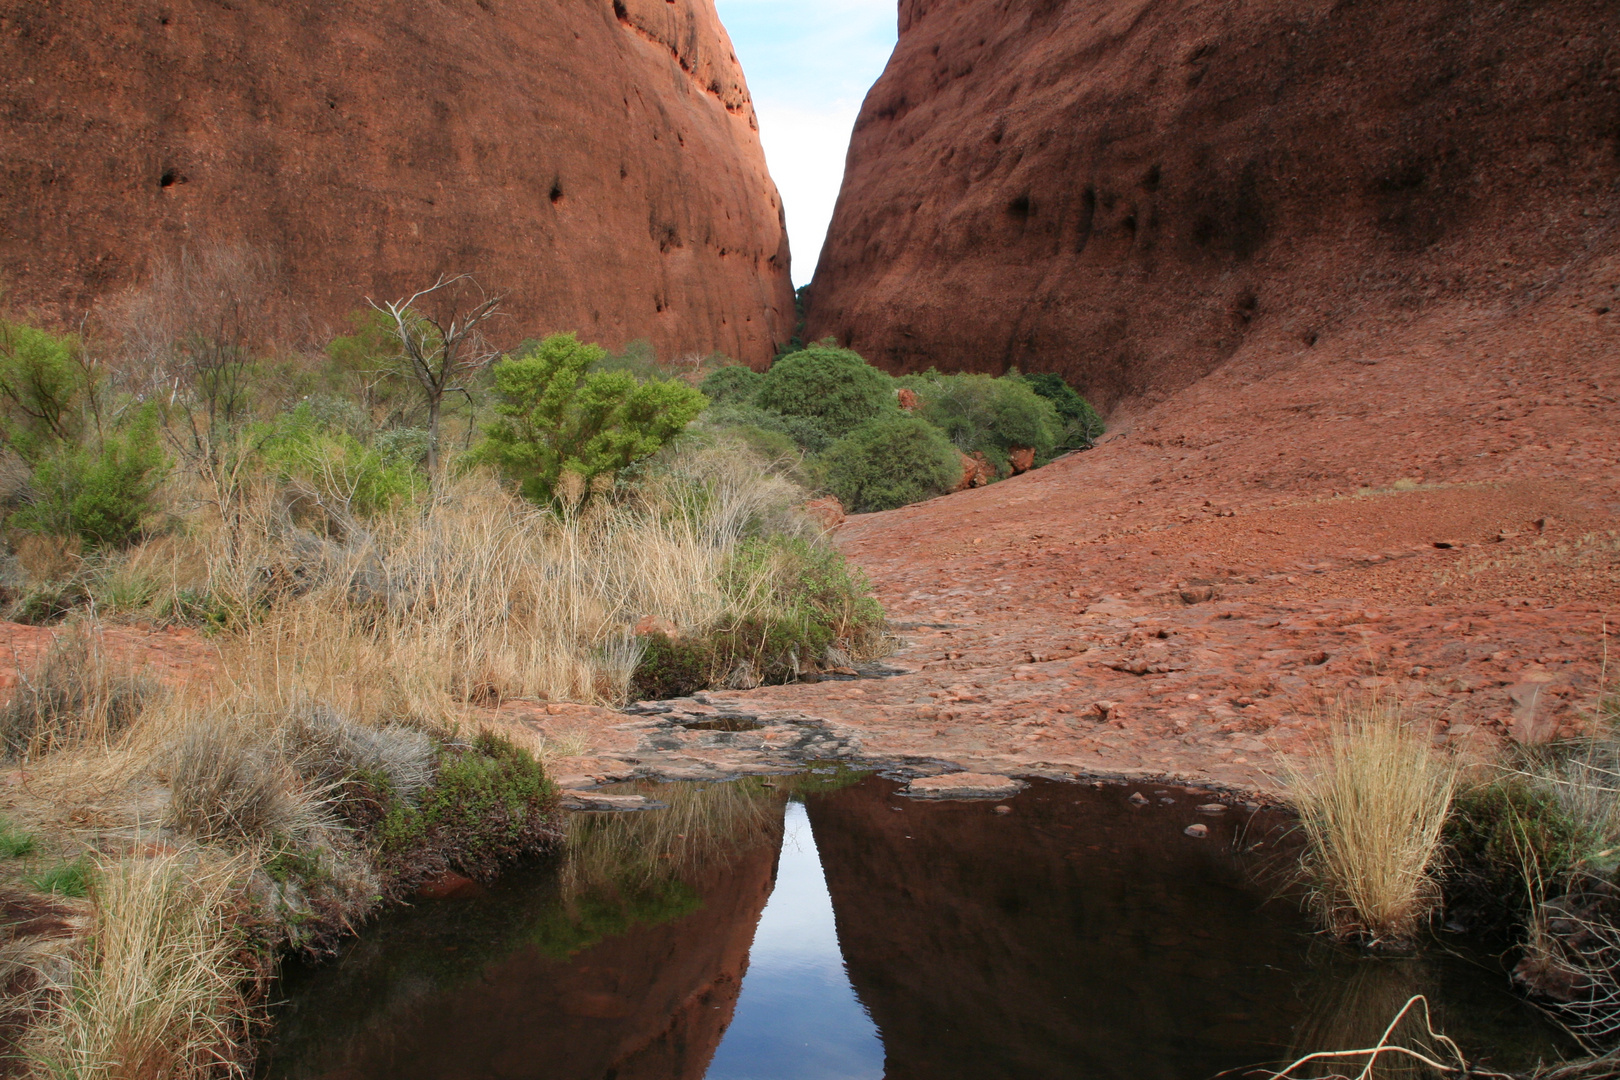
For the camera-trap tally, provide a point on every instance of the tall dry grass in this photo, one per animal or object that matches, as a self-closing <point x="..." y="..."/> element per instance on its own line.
<point x="474" y="595"/>
<point x="159" y="992"/>
<point x="1373" y="805"/>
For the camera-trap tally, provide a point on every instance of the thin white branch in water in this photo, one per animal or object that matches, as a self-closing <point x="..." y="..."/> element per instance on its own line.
<point x="1460" y="1067"/>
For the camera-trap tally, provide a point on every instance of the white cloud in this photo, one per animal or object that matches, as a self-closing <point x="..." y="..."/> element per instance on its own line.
<point x="805" y="151"/>
<point x="809" y="64"/>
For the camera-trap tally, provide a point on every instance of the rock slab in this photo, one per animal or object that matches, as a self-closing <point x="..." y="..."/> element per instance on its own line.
<point x="965" y="786"/>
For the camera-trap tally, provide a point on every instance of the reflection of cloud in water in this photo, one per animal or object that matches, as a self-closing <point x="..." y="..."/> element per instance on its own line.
<point x="798" y="1017"/>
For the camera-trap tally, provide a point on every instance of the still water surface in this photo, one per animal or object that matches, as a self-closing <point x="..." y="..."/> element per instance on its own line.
<point x="826" y="928"/>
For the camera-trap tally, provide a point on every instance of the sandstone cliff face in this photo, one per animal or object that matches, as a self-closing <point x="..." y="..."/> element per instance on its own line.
<point x="1129" y="192"/>
<point x="598" y="159"/>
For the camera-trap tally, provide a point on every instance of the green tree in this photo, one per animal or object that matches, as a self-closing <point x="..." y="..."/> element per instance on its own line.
<point x="345" y="475"/>
<point x="986" y="414"/>
<point x="365" y="365"/>
<point x="42" y="382"/>
<point x="832" y="386"/>
<point x="891" y="461"/>
<point x="558" y="416"/>
<point x="1082" y="426"/>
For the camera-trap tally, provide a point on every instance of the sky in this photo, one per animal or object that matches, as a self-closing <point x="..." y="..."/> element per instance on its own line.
<point x="809" y="64"/>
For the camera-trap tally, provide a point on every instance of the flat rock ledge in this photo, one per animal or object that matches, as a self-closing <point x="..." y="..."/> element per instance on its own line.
<point x="597" y="800"/>
<point x="965" y="785"/>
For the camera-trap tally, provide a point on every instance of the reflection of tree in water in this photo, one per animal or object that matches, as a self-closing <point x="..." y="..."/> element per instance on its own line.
<point x="623" y="869"/>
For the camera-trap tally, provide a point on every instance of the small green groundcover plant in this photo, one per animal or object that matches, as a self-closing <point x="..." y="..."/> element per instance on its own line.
<point x="490" y="802"/>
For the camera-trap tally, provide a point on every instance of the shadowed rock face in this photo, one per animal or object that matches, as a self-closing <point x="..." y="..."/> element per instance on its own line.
<point x="1080" y="935"/>
<point x="648" y="1001"/>
<point x="599" y="160"/>
<point x="1131" y="191"/>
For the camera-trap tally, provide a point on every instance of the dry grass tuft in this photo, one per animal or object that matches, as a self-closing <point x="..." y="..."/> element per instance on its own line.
<point x="228" y="785"/>
<point x="158" y="991"/>
<point x="74" y="698"/>
<point x="1373" y="810"/>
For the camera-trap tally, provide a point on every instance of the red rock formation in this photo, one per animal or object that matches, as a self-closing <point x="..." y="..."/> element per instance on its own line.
<point x="827" y="511"/>
<point x="976" y="471"/>
<point x="599" y="160"/>
<point x="1130" y="192"/>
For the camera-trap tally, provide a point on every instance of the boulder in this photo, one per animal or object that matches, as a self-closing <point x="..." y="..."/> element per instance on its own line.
<point x="976" y="471"/>
<point x="656" y="625"/>
<point x="1021" y="459"/>
<point x="827" y="511"/>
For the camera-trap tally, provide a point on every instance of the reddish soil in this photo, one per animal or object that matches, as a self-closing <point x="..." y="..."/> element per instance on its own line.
<point x="598" y="161"/>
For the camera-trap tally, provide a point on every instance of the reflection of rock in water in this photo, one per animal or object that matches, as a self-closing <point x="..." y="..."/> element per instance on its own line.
<point x="1089" y="940"/>
<point x="580" y="974"/>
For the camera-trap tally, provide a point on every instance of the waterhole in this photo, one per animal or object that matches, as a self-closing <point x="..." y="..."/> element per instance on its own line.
<point x="821" y="926"/>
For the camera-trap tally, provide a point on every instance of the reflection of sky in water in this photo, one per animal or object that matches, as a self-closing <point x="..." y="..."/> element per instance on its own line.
<point x="797" y="1017"/>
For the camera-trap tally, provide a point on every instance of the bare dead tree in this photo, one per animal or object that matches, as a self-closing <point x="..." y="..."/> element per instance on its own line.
<point x="441" y="341"/>
<point x="192" y="331"/>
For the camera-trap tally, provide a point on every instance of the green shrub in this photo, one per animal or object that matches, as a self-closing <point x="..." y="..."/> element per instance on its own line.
<point x="559" y="416"/>
<point x="490" y="803"/>
<point x="341" y="470"/>
<point x="987" y="415"/>
<point x="41" y="383"/>
<point x="834" y="387"/>
<point x="799" y="431"/>
<point x="1500" y="832"/>
<point x="1081" y="425"/>
<point x="103" y="494"/>
<point x="817" y="603"/>
<point x="890" y="462"/>
<point x="732" y="385"/>
<point x="673" y="667"/>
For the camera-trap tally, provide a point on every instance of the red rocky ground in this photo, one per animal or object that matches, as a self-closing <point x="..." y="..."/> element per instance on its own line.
<point x="1188" y="598"/>
<point x="1436" y="521"/>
